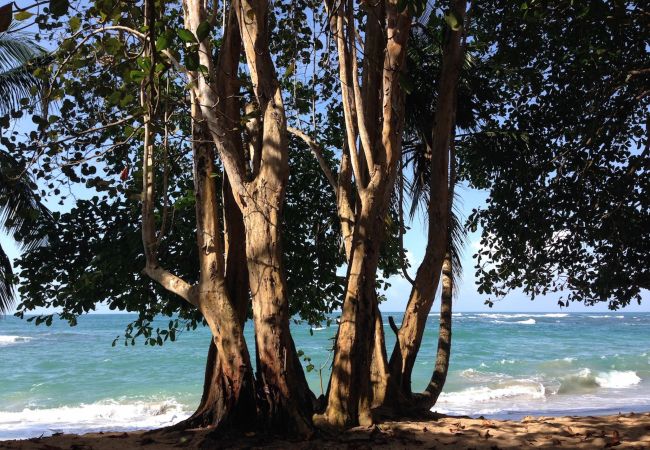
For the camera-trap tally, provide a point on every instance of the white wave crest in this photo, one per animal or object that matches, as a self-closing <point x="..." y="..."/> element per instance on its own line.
<point x="523" y="322"/>
<point x="527" y="322"/>
<point x="475" y="395"/>
<point x="520" y="315"/>
<point x="585" y="380"/>
<point x="10" y="340"/>
<point x="617" y="379"/>
<point x="606" y="316"/>
<point x="107" y="415"/>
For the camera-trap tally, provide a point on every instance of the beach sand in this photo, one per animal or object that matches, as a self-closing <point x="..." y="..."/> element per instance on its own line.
<point x="625" y="431"/>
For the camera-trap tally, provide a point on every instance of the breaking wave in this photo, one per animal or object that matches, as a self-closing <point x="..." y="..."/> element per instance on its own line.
<point x="586" y="380"/>
<point x="523" y="322"/>
<point x="10" y="340"/>
<point x="107" y="415"/>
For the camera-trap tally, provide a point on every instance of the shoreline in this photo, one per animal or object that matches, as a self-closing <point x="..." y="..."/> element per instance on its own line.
<point x="630" y="431"/>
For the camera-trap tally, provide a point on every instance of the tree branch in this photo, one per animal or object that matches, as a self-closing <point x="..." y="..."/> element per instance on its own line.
<point x="166" y="279"/>
<point x="358" y="98"/>
<point x="318" y="153"/>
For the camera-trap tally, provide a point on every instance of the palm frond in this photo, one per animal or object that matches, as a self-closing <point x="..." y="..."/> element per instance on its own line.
<point x="16" y="84"/>
<point x="6" y="283"/>
<point x="457" y="240"/>
<point x="20" y="206"/>
<point x="19" y="57"/>
<point x="17" y="49"/>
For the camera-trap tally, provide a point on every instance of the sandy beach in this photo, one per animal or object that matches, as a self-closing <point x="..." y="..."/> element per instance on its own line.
<point x="629" y="431"/>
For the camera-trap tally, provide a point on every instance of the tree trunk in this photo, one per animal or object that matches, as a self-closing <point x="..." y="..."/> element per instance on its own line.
<point x="439" y="376"/>
<point x="350" y="397"/>
<point x="228" y="396"/>
<point x="379" y="373"/>
<point x="284" y="401"/>
<point x="428" y="274"/>
<point x="359" y="373"/>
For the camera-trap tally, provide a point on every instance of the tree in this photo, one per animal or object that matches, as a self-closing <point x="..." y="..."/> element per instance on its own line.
<point x="94" y="117"/>
<point x="566" y="156"/>
<point x="428" y="275"/>
<point x="205" y="155"/>
<point x="20" y="209"/>
<point x="20" y="206"/>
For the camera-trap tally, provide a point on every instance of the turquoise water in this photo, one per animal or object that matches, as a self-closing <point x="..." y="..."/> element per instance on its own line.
<point x="60" y="378"/>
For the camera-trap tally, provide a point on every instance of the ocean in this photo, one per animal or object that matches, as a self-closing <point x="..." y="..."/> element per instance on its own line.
<point x="503" y="365"/>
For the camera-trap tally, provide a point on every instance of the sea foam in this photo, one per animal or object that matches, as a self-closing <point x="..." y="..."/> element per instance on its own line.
<point x="618" y="379"/>
<point x="10" y="340"/>
<point x="107" y="415"/>
<point x="483" y="394"/>
<point x="586" y="380"/>
<point x="523" y="322"/>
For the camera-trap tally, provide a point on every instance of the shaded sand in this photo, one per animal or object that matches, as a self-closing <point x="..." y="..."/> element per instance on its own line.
<point x="629" y="431"/>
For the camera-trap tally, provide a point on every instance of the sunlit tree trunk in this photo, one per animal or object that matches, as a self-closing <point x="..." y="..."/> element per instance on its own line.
<point x="434" y="388"/>
<point x="409" y="336"/>
<point x="284" y="402"/>
<point x="359" y="371"/>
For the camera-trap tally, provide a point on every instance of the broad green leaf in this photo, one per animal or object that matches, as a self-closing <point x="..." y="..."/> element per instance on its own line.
<point x="136" y="75"/>
<point x="162" y="42"/>
<point x="203" y="30"/>
<point x="23" y="15"/>
<point x="192" y="61"/>
<point x="59" y="7"/>
<point x="75" y="24"/>
<point x="452" y="21"/>
<point x="186" y="35"/>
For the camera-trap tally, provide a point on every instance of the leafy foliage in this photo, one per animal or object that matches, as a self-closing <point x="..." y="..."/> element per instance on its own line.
<point x="563" y="150"/>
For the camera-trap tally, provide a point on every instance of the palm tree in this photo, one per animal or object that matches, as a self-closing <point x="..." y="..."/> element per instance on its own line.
<point x="20" y="209"/>
<point x="20" y="205"/>
<point x="19" y="56"/>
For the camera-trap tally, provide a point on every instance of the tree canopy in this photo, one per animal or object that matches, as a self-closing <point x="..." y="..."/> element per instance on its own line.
<point x="224" y="163"/>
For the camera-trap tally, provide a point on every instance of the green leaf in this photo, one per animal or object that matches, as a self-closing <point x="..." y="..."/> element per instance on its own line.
<point x="144" y="63"/>
<point x="452" y="21"/>
<point x="290" y="69"/>
<point x="192" y="61"/>
<point x="186" y="35"/>
<point x="75" y="24"/>
<point x="23" y="15"/>
<point x="162" y="42"/>
<point x="59" y="7"/>
<point x="136" y="75"/>
<point x="203" y="30"/>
